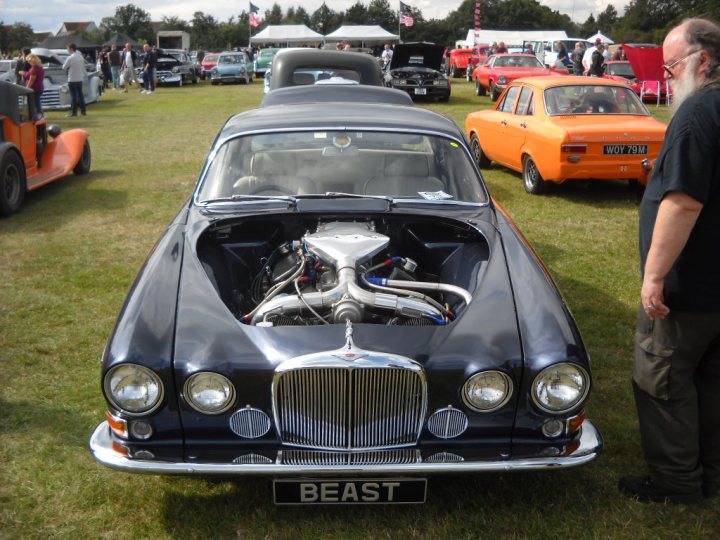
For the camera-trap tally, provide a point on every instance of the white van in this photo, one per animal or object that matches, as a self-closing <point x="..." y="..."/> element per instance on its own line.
<point x="547" y="50"/>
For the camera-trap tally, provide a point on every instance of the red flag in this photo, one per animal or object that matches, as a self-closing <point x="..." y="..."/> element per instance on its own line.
<point x="254" y="21"/>
<point x="477" y="15"/>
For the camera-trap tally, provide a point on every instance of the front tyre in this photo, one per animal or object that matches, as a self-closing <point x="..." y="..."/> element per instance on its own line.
<point x="479" y="89"/>
<point x="83" y="166"/>
<point x="12" y="184"/>
<point x="532" y="180"/>
<point x="494" y="92"/>
<point x="480" y="158"/>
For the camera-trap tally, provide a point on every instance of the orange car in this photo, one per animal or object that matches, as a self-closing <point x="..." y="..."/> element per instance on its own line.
<point x="554" y="129"/>
<point x="28" y="158"/>
<point x="501" y="69"/>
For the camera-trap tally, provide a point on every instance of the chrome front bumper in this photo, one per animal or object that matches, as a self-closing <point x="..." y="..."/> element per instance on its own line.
<point x="102" y="450"/>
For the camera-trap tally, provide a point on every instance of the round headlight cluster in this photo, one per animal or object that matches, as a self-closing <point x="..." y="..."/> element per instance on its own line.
<point x="487" y="391"/>
<point x="133" y="389"/>
<point x="560" y="388"/>
<point x="209" y="393"/>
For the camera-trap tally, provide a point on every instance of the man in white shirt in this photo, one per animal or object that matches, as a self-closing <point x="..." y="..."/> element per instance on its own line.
<point x="386" y="55"/>
<point x="127" y="68"/>
<point x="587" y="57"/>
<point x="75" y="67"/>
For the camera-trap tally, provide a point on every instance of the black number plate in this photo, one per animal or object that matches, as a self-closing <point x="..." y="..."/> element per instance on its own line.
<point x="350" y="491"/>
<point x="625" y="149"/>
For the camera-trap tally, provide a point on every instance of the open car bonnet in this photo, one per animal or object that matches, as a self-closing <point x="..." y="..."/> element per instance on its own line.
<point x="417" y="54"/>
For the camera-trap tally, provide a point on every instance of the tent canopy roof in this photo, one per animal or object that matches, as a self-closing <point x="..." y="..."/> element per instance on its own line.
<point x="606" y="40"/>
<point x="287" y="33"/>
<point x="361" y="33"/>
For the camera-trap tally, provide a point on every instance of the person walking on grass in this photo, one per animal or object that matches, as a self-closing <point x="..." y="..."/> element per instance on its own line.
<point x="127" y="68"/>
<point x="676" y="371"/>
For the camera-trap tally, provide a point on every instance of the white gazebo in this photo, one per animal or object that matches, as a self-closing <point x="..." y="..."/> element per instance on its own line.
<point x="364" y="34"/>
<point x="606" y="40"/>
<point x="287" y="34"/>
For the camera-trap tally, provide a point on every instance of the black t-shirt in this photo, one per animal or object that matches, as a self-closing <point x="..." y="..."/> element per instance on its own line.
<point x="689" y="162"/>
<point x="150" y="60"/>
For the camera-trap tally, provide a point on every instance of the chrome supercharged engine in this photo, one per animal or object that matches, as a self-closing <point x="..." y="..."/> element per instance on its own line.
<point x="340" y="271"/>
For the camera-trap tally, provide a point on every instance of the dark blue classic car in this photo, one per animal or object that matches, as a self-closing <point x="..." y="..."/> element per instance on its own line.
<point x="342" y="307"/>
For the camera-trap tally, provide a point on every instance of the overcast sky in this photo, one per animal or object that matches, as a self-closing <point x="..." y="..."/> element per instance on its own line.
<point x="48" y="15"/>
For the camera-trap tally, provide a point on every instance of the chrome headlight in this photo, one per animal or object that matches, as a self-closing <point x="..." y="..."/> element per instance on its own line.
<point x="133" y="389"/>
<point x="399" y="82"/>
<point x="502" y="79"/>
<point x="560" y="388"/>
<point x="209" y="393"/>
<point x="440" y="82"/>
<point x="487" y="391"/>
<point x="175" y="69"/>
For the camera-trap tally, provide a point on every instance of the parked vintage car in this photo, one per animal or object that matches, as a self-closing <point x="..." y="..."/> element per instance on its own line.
<point x="57" y="92"/>
<point x="174" y="67"/>
<point x="209" y="61"/>
<point x="458" y="62"/>
<point x="622" y="71"/>
<point x="32" y="153"/>
<point x="555" y="129"/>
<point x="263" y="60"/>
<point x="416" y="68"/>
<point x="302" y="66"/>
<point x="480" y="54"/>
<point x="342" y="307"/>
<point x="501" y="69"/>
<point x="232" y="67"/>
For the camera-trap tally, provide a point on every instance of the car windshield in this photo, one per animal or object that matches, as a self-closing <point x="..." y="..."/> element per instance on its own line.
<point x="266" y="54"/>
<point x="517" y="61"/>
<point x="231" y="59"/>
<point x="362" y="163"/>
<point x="593" y="99"/>
<point x="211" y="58"/>
<point x="621" y="69"/>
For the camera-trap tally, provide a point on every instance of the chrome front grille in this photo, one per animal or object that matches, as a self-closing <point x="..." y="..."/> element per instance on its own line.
<point x="387" y="457"/>
<point x="349" y="407"/>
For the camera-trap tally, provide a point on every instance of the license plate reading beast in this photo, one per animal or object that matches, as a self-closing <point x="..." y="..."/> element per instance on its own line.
<point x="625" y="149"/>
<point x="350" y="491"/>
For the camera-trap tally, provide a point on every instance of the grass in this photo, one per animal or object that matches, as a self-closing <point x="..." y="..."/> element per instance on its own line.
<point x="68" y="258"/>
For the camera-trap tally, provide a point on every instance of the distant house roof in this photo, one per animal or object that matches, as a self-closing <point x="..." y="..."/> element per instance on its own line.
<point x="70" y="27"/>
<point x="39" y="37"/>
<point x="62" y="41"/>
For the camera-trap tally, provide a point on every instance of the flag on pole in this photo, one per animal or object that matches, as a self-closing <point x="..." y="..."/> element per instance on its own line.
<point x="254" y="19"/>
<point x="406" y="15"/>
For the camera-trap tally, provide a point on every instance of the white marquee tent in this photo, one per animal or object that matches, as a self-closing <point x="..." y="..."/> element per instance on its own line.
<point x="364" y="34"/>
<point x="602" y="37"/>
<point x="287" y="33"/>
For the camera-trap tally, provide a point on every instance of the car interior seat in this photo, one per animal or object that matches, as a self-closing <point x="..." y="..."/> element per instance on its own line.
<point x="404" y="175"/>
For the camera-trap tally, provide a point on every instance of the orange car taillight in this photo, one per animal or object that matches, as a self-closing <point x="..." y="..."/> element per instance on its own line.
<point x="574" y="148"/>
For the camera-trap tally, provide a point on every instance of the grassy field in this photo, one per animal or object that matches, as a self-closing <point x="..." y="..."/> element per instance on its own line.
<point x="68" y="258"/>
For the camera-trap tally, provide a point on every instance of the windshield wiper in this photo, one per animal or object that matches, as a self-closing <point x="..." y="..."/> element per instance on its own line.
<point x="239" y="198"/>
<point x="341" y="194"/>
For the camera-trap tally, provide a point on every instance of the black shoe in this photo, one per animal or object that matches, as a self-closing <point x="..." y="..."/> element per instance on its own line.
<point x="84" y="113"/>
<point x="71" y="114"/>
<point x="643" y="489"/>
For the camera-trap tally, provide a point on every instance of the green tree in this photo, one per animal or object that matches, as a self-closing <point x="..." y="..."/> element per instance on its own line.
<point x="325" y="20"/>
<point x="19" y="36"/>
<point x="356" y="14"/>
<point x="175" y="23"/>
<point x="380" y="13"/>
<point x="133" y="21"/>
<point x="274" y="15"/>
<point x="205" y="32"/>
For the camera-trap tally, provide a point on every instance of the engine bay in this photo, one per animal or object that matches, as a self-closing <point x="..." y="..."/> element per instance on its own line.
<point x="310" y="271"/>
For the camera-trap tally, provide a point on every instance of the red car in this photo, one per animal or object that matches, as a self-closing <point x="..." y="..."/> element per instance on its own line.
<point x="458" y="62"/>
<point x="209" y="62"/>
<point x="622" y="71"/>
<point x="501" y="69"/>
<point x="479" y="56"/>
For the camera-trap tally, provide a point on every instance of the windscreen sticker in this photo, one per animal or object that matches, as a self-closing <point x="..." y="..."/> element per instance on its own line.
<point x="435" y="195"/>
